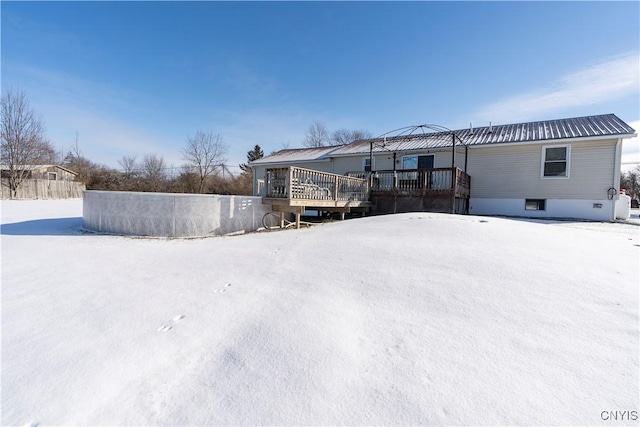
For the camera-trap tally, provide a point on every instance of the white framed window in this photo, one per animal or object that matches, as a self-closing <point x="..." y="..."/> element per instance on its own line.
<point x="366" y="164"/>
<point x="556" y="161"/>
<point x="52" y="176"/>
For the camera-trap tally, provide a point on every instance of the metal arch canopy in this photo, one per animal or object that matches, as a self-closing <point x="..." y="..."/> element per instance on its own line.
<point x="411" y="130"/>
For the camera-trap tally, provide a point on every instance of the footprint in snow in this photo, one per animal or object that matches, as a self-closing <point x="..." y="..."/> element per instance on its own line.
<point x="165" y="328"/>
<point x="223" y="289"/>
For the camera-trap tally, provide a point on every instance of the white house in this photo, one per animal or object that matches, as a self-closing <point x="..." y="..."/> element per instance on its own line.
<point x="565" y="168"/>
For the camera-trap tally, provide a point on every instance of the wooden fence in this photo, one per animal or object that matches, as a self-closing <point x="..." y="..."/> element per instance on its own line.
<point x="44" y="189"/>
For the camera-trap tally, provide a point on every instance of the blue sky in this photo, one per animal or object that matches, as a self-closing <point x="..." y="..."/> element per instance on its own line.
<point x="136" y="78"/>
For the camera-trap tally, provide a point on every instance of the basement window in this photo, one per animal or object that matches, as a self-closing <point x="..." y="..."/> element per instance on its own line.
<point x="535" y="204"/>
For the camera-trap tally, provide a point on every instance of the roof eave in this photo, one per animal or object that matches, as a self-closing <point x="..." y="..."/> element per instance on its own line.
<point x="556" y="140"/>
<point x="287" y="162"/>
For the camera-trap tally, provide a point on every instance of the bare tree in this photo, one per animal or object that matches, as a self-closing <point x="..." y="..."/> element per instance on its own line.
<point x="630" y="181"/>
<point x="75" y="161"/>
<point x="47" y="154"/>
<point x="205" y="153"/>
<point x="346" y="136"/>
<point x="317" y="135"/>
<point x="128" y="165"/>
<point x="130" y="173"/>
<point x="153" y="170"/>
<point x="22" y="135"/>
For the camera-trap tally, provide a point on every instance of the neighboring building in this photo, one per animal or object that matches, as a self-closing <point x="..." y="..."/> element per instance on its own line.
<point x="48" y="172"/>
<point x="43" y="182"/>
<point x="566" y="168"/>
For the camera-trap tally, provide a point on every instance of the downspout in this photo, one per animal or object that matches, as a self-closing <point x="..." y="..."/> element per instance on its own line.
<point x="453" y="173"/>
<point x="370" y="164"/>
<point x="616" y="177"/>
<point x="453" y="150"/>
<point x="466" y="157"/>
<point x="254" y="180"/>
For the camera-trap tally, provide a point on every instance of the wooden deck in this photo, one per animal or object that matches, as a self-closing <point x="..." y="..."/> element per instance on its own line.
<point x="294" y="189"/>
<point x="436" y="190"/>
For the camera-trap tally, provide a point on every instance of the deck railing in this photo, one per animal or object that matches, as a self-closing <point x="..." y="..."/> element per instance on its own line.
<point x="432" y="180"/>
<point x="306" y="184"/>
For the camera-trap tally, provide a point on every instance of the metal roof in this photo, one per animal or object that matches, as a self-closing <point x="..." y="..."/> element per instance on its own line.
<point x="577" y="127"/>
<point x="297" y="155"/>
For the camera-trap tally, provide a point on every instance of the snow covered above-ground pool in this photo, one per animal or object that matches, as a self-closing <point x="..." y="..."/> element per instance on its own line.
<point x="402" y="319"/>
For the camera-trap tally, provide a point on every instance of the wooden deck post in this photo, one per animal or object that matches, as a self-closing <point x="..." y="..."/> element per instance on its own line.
<point x="290" y="183"/>
<point x="267" y="184"/>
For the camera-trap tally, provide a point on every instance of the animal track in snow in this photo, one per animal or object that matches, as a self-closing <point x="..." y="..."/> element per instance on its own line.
<point x="165" y="328"/>
<point x="223" y="289"/>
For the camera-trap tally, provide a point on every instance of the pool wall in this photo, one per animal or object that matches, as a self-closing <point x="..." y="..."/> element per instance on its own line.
<point x="171" y="215"/>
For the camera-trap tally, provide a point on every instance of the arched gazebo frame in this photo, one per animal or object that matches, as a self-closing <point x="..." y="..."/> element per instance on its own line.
<point x="408" y="131"/>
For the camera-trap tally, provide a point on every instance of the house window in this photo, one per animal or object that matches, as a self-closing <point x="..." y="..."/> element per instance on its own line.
<point x="52" y="176"/>
<point x="418" y="162"/>
<point x="535" y="204"/>
<point x="366" y="164"/>
<point x="555" y="161"/>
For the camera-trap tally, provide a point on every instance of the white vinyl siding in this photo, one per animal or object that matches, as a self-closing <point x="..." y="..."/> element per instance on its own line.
<point x="513" y="172"/>
<point x="355" y="163"/>
<point x="443" y="158"/>
<point x="342" y="165"/>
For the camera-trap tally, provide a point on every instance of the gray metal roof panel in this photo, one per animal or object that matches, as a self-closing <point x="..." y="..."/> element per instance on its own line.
<point x="296" y="155"/>
<point x="578" y="127"/>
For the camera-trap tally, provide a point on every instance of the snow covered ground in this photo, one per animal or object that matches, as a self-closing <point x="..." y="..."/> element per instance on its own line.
<point x="402" y="319"/>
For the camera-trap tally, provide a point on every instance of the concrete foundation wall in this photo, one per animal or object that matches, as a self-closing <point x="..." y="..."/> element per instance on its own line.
<point x="171" y="215"/>
<point x="592" y="209"/>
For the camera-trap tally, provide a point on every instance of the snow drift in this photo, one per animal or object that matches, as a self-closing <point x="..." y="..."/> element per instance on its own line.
<point x="402" y="319"/>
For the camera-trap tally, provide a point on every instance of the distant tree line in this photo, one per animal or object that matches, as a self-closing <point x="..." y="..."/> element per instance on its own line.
<point x="630" y="182"/>
<point x="319" y="136"/>
<point x="205" y="169"/>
